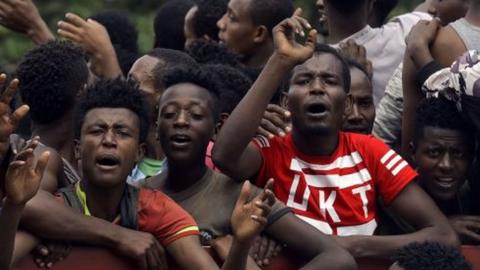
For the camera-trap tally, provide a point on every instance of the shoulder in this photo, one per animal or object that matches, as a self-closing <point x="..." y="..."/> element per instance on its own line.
<point x="447" y="46"/>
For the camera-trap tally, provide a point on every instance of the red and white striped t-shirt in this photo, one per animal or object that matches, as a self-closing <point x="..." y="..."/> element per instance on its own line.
<point x="336" y="194"/>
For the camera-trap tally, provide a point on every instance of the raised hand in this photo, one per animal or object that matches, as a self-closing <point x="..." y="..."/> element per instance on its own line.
<point x="284" y="34"/>
<point x="22" y="179"/>
<point x="8" y="120"/>
<point x="94" y="39"/>
<point x="351" y="50"/>
<point x="22" y="16"/>
<point x="249" y="217"/>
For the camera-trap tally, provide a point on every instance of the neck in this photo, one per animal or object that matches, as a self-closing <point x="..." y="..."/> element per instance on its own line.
<point x="473" y="14"/>
<point x="315" y="145"/>
<point x="340" y="28"/>
<point x="58" y="135"/>
<point x="154" y="149"/>
<point x="103" y="202"/>
<point x="261" y="55"/>
<point x="180" y="177"/>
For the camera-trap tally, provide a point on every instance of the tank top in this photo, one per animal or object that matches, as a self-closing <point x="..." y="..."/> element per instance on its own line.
<point x="470" y="34"/>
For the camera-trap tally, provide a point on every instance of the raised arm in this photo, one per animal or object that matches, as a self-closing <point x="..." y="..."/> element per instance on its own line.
<point x="22" y="16"/>
<point x="415" y="207"/>
<point x="232" y="152"/>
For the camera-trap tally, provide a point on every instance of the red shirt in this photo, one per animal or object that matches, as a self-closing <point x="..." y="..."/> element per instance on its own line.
<point x="337" y="193"/>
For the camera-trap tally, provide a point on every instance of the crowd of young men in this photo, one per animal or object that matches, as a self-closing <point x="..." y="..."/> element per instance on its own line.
<point x="241" y="131"/>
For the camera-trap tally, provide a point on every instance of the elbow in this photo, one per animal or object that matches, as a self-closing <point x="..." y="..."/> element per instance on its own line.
<point x="220" y="158"/>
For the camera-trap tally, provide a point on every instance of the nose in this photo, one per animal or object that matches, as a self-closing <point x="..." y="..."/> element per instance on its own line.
<point x="182" y="120"/>
<point x="446" y="163"/>
<point x="317" y="87"/>
<point x="353" y="114"/>
<point x="221" y="23"/>
<point x="109" y="139"/>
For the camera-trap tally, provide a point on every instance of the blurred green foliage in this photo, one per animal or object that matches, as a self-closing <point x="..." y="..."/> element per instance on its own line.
<point x="13" y="46"/>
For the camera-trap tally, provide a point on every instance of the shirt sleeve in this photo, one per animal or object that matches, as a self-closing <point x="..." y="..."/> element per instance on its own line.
<point x="162" y="217"/>
<point x="389" y="170"/>
<point x="266" y="149"/>
<point x="406" y="21"/>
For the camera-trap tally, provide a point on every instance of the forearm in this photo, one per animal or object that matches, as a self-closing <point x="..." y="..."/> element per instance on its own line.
<point x="40" y="33"/>
<point x="105" y="63"/>
<point x="9" y="220"/>
<point x="246" y="117"/>
<point x="237" y="257"/>
<point x="386" y="246"/>
<point x="48" y="218"/>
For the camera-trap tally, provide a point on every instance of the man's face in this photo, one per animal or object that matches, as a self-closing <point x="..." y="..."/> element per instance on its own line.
<point x="317" y="97"/>
<point x="237" y="29"/>
<point x="449" y="10"/>
<point x="188" y="28"/>
<point x="109" y="145"/>
<point x="360" y="114"/>
<point x="185" y="122"/>
<point x="442" y="157"/>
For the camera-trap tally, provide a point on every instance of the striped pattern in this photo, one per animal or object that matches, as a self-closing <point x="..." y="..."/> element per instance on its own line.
<point x="393" y="162"/>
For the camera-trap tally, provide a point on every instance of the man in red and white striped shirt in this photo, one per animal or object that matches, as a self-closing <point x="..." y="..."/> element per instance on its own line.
<point x="331" y="179"/>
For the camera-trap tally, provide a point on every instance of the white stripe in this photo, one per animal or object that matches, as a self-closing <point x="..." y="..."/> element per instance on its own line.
<point x="399" y="167"/>
<point x="346" y="161"/>
<point x="363" y="229"/>
<point x="320" y="225"/>
<point x="338" y="181"/>
<point x="387" y="156"/>
<point x="393" y="161"/>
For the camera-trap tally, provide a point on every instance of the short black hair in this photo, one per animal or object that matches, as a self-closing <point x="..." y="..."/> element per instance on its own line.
<point x="50" y="77"/>
<point x="116" y="93"/>
<point x="123" y="35"/>
<point x="234" y="85"/>
<point x="211" y="52"/>
<point x="323" y="48"/>
<point x="346" y="6"/>
<point x="430" y="256"/>
<point x="168" y="59"/>
<point x="206" y="17"/>
<point x="197" y="76"/>
<point x="270" y="12"/>
<point x="440" y="113"/>
<point x="168" y="24"/>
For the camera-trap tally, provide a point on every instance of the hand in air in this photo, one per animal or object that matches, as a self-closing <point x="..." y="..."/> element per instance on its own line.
<point x="250" y="217"/>
<point x="8" y="120"/>
<point x="94" y="39"/>
<point x="22" y="16"/>
<point x="284" y="38"/>
<point x="358" y="53"/>
<point x="22" y="179"/>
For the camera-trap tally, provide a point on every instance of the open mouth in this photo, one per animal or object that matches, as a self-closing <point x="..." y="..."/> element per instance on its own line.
<point x="107" y="161"/>
<point x="180" y="140"/>
<point x="317" y="110"/>
<point x="445" y="182"/>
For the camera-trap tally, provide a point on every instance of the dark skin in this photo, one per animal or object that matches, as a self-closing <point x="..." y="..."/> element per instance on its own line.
<point x="443" y="157"/>
<point x="186" y="109"/>
<point x="412" y="204"/>
<point x="425" y="43"/>
<point x="239" y="33"/>
<point x="360" y="114"/>
<point x="108" y="139"/>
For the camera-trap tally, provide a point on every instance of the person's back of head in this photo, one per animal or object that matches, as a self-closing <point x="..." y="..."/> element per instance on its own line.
<point x="123" y="35"/>
<point x="51" y="75"/>
<point x="270" y="12"/>
<point x="211" y="52"/>
<point x="168" y="24"/>
<point x="206" y="17"/>
<point x="168" y="59"/>
<point x="429" y="256"/>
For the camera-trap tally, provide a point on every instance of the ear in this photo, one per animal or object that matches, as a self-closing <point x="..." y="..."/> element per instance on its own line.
<point x="284" y="101"/>
<point x="412" y="147"/>
<point x="261" y="34"/>
<point x="78" y="156"/>
<point x="141" y="152"/>
<point x="223" y="117"/>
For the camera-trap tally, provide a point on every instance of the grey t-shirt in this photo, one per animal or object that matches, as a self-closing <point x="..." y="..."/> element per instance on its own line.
<point x="211" y="201"/>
